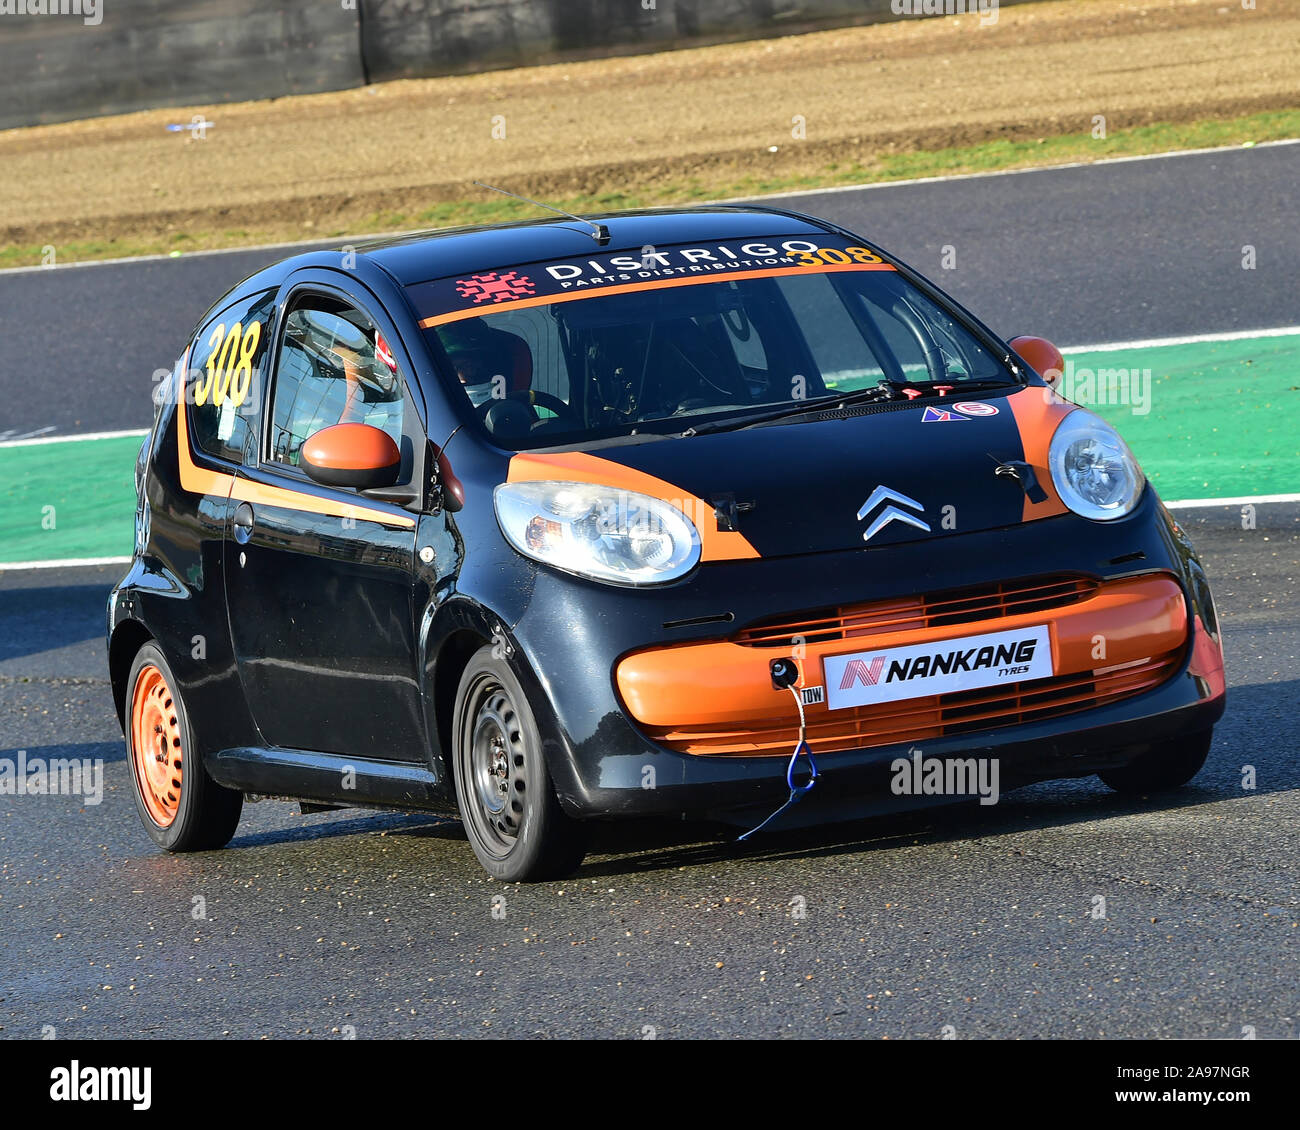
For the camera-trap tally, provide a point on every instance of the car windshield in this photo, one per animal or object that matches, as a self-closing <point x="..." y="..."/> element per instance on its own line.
<point x="637" y="354"/>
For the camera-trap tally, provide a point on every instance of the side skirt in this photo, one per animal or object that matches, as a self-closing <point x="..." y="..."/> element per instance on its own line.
<point x="312" y="776"/>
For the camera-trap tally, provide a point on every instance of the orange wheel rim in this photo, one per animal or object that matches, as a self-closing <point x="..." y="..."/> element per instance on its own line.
<point x="156" y="748"/>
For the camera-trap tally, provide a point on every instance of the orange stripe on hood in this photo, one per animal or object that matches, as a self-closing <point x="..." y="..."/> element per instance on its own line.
<point x="1038" y="412"/>
<point x="580" y="467"/>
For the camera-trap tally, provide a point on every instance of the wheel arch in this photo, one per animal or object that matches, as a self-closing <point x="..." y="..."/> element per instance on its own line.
<point x="123" y="646"/>
<point x="457" y="631"/>
<point x="451" y="658"/>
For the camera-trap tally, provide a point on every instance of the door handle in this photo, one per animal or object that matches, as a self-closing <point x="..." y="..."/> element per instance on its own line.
<point x="242" y="523"/>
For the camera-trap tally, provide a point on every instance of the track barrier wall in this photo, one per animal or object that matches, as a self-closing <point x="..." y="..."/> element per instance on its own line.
<point x="65" y="59"/>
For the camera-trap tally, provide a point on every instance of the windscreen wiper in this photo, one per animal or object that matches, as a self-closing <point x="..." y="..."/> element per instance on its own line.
<point x="882" y="390"/>
<point x="958" y="386"/>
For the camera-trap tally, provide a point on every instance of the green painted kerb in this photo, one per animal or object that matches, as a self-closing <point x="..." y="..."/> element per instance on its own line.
<point x="62" y="500"/>
<point x="1217" y="419"/>
<point x="1211" y="420"/>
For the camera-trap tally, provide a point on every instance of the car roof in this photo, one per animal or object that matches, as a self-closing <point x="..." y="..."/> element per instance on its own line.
<point x="422" y="256"/>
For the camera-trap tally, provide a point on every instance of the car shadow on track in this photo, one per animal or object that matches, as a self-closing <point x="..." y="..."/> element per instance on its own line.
<point x="353" y="822"/>
<point x="36" y="618"/>
<point x="953" y="822"/>
<point x="649" y="846"/>
<point x="106" y="752"/>
<point x="1238" y="746"/>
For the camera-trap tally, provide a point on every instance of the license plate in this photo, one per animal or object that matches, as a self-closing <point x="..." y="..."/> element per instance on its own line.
<point x="967" y="663"/>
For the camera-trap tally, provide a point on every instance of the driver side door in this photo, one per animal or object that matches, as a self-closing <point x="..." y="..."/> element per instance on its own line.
<point x="319" y="579"/>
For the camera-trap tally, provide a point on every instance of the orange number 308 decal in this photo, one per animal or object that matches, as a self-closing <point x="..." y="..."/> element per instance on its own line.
<point x="834" y="256"/>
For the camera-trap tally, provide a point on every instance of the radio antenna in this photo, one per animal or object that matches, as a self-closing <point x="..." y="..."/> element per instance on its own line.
<point x="599" y="232"/>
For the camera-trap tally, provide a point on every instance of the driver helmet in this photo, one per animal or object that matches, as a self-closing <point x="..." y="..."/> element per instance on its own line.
<point x="478" y="356"/>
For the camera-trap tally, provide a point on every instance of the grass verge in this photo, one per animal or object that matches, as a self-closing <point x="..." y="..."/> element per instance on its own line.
<point x="992" y="156"/>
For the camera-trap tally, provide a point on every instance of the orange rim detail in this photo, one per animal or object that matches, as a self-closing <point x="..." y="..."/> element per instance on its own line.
<point x="157" y="753"/>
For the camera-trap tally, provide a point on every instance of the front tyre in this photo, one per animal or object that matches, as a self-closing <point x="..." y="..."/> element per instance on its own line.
<point x="181" y="807"/>
<point x="1165" y="766"/>
<point x="507" y="800"/>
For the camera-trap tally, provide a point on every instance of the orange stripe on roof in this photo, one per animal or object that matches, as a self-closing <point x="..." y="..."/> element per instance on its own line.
<point x="654" y="284"/>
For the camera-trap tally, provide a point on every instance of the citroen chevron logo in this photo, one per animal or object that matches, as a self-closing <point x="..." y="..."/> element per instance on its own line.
<point x="890" y="513"/>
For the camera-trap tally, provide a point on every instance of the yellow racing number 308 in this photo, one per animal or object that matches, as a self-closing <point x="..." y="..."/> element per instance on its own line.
<point x="230" y="364"/>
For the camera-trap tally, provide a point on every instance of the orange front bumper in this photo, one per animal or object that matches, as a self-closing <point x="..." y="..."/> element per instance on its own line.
<point x="1110" y="641"/>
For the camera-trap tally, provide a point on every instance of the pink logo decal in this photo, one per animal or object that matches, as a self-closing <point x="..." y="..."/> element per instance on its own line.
<point x="496" y="286"/>
<point x="857" y="669"/>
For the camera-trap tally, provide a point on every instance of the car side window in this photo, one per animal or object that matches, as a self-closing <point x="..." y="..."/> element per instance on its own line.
<point x="334" y="367"/>
<point x="225" y="384"/>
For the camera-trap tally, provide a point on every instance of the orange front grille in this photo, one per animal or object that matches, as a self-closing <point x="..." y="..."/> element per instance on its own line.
<point x="934" y="610"/>
<point x="918" y="719"/>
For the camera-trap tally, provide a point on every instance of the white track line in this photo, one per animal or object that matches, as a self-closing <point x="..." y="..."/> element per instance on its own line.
<point x="324" y="245"/>
<point x="1192" y="339"/>
<point x="69" y="563"/>
<point x="835" y="190"/>
<point x="840" y="188"/>
<point x="1251" y="499"/>
<point x="79" y="437"/>
<point x="9" y="437"/>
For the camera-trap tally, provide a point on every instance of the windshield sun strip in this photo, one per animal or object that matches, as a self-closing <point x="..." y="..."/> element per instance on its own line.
<point x="653" y="284"/>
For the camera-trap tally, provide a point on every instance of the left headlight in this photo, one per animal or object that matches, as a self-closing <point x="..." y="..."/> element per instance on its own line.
<point x="1094" y="471"/>
<point x="618" y="536"/>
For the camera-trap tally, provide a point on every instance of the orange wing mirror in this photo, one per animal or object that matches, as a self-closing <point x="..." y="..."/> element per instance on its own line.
<point x="1041" y="356"/>
<point x="351" y="455"/>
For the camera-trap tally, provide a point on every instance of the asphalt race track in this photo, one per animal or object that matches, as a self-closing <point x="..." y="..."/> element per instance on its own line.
<point x="975" y="922"/>
<point x="1114" y="252"/>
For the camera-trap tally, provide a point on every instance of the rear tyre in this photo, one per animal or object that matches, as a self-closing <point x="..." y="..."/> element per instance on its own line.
<point x="181" y="807"/>
<point x="1165" y="766"/>
<point x="507" y="800"/>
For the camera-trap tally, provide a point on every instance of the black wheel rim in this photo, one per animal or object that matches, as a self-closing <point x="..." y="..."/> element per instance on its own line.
<point x="495" y="765"/>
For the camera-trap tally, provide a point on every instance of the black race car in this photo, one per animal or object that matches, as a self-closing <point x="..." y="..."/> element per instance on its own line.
<point x="678" y="513"/>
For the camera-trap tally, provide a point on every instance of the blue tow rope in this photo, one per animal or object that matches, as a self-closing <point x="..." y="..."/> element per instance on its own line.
<point x="797" y="792"/>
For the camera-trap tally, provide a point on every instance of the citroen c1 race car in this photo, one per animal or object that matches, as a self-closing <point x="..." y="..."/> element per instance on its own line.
<point x="672" y="513"/>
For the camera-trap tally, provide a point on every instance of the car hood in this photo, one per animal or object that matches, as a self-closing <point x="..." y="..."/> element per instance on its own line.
<point x="868" y="479"/>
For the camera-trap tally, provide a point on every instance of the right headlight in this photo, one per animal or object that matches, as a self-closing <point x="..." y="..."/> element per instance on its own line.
<point x="1094" y="471"/>
<point x="618" y="536"/>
